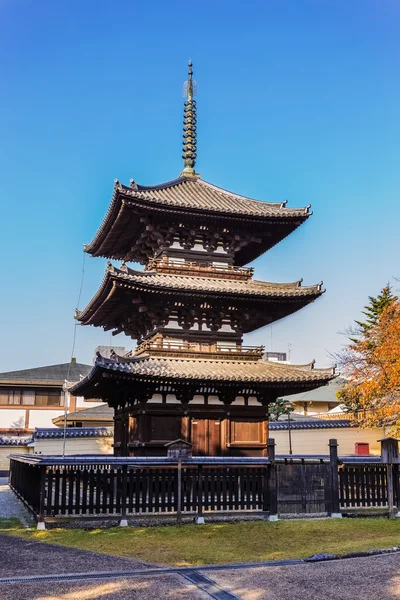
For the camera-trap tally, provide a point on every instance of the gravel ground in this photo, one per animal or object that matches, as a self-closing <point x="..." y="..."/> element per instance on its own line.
<point x="10" y="506"/>
<point x="351" y="579"/>
<point x="25" y="557"/>
<point x="166" y="587"/>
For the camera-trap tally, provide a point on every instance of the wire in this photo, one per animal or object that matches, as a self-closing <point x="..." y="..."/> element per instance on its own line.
<point x="71" y="357"/>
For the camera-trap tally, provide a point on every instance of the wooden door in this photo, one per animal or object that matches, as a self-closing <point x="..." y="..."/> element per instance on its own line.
<point x="205" y="437"/>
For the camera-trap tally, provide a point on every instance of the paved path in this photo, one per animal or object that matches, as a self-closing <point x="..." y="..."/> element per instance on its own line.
<point x="10" y="506"/>
<point x="376" y="577"/>
<point x="352" y="579"/>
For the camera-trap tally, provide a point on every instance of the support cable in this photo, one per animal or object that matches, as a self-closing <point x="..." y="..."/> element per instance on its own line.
<point x="66" y="382"/>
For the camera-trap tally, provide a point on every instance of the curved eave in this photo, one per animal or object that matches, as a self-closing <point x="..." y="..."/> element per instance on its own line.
<point x="124" y="209"/>
<point x="109" y="297"/>
<point x="97" y="382"/>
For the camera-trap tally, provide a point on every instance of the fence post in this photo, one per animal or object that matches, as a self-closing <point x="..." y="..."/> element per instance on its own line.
<point x="199" y="520"/>
<point x="270" y="502"/>
<point x="390" y="457"/>
<point x="179" y="504"/>
<point x="124" y="488"/>
<point x="334" y="480"/>
<point x="42" y="495"/>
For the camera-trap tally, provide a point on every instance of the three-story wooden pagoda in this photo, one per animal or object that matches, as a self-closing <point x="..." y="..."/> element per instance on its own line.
<point x="190" y="376"/>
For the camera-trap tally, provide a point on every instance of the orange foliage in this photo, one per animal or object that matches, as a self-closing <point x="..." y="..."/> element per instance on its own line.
<point x="372" y="365"/>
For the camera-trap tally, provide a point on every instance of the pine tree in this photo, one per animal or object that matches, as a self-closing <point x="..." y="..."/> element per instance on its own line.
<point x="373" y="310"/>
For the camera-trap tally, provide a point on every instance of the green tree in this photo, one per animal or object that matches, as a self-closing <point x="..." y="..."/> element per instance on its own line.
<point x="372" y="311"/>
<point x="278" y="408"/>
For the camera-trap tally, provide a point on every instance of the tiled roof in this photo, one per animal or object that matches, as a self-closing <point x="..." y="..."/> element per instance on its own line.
<point x="73" y="432"/>
<point x="251" y="287"/>
<point x="310" y="424"/>
<point x="322" y="394"/>
<point x="49" y="374"/>
<point x="259" y="371"/>
<point x="194" y="193"/>
<point x="294" y="295"/>
<point x="95" y="413"/>
<point x="181" y="201"/>
<point x="14" y="440"/>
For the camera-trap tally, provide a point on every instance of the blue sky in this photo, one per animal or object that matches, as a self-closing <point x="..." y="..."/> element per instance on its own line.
<point x="297" y="99"/>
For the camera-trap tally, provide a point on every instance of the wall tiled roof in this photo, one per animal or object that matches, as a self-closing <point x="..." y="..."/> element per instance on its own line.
<point x="15" y="440"/>
<point x="73" y="432"/>
<point x="310" y="424"/>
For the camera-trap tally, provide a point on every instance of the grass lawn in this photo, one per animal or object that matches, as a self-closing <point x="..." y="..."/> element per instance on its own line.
<point x="227" y="542"/>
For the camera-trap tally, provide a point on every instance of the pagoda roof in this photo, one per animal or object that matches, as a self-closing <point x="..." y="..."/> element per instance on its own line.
<point x="195" y="193"/>
<point x="263" y="373"/>
<point x="111" y="300"/>
<point x="186" y="195"/>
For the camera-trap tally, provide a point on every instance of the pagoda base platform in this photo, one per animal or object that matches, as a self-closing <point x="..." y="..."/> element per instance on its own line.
<point x="145" y="429"/>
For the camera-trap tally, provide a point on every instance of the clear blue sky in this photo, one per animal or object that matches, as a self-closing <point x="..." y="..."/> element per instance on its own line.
<point x="297" y="99"/>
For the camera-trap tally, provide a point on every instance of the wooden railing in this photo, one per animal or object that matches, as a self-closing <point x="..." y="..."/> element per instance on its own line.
<point x="164" y="265"/>
<point x="160" y="345"/>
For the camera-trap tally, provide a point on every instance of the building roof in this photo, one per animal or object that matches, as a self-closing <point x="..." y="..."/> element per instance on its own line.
<point x="111" y="303"/>
<point x="326" y="393"/>
<point x="188" y="197"/>
<point x="195" y="193"/>
<point x="102" y="412"/>
<point x="73" y="432"/>
<point x="52" y="374"/>
<point x="146" y="369"/>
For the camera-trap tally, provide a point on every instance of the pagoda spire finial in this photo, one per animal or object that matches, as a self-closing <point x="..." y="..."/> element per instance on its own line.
<point x="189" y="126"/>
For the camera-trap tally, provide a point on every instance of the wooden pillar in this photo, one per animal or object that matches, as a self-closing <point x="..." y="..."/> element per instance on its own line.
<point x="334" y="508"/>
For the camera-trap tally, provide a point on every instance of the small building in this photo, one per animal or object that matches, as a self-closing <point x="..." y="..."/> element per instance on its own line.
<point x="321" y="400"/>
<point x="100" y="415"/>
<point x="32" y="398"/>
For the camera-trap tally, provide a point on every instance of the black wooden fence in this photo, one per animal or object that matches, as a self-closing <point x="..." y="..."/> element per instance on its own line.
<point x="115" y="487"/>
<point x="93" y="487"/>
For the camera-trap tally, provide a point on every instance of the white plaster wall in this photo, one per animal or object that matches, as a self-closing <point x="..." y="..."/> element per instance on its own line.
<point x="5" y="451"/>
<point x="214" y="400"/>
<point x="253" y="401"/>
<point x="43" y="418"/>
<point x="197" y="400"/>
<point x="12" y="418"/>
<point x="171" y="399"/>
<point x="155" y="399"/>
<point x="315" y="441"/>
<point x="89" y="445"/>
<point x="81" y="403"/>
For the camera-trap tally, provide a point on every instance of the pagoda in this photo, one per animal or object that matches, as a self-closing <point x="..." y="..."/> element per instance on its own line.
<point x="190" y="376"/>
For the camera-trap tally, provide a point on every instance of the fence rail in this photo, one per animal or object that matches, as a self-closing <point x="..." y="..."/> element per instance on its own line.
<point x="115" y="487"/>
<point x="120" y="490"/>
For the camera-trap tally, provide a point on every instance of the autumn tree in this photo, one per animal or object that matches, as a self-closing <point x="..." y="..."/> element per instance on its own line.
<point x="372" y="366"/>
